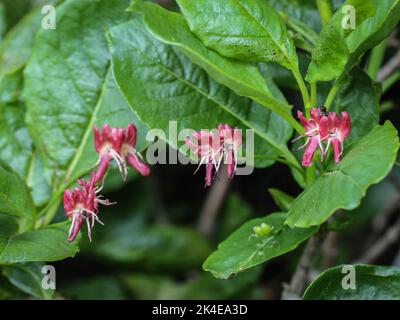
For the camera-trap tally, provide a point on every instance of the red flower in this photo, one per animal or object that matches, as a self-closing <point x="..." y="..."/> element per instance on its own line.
<point x="118" y="144"/>
<point x="212" y="147"/>
<point x="209" y="150"/>
<point x="322" y="127"/>
<point x="339" y="129"/>
<point x="231" y="140"/>
<point x="316" y="131"/>
<point x="81" y="205"/>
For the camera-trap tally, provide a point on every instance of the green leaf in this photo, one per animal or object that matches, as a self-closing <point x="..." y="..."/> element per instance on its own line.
<point x="282" y="200"/>
<point x="69" y="87"/>
<point x="359" y="96"/>
<point x="243" y="249"/>
<point x="14" y="195"/>
<point x="16" y="48"/>
<point x="242" y="29"/>
<point x="302" y="10"/>
<point x="161" y="85"/>
<point x="28" y="278"/>
<point x="47" y="244"/>
<point x="342" y="186"/>
<point x="372" y="283"/>
<point x="241" y="77"/>
<point x="338" y="49"/>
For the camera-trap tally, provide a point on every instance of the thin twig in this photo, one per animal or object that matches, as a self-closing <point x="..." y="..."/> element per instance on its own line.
<point x="390" y="237"/>
<point x="299" y="279"/>
<point x="391" y="66"/>
<point x="213" y="202"/>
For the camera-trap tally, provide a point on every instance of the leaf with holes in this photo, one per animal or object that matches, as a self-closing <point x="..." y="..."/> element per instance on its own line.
<point x="243" y="249"/>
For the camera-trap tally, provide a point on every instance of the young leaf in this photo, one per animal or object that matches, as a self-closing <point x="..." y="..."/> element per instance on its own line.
<point x="28" y="278"/>
<point x="161" y="84"/>
<point x="241" y="77"/>
<point x="356" y="282"/>
<point x="69" y="86"/>
<point x="242" y="29"/>
<point x="47" y="244"/>
<point x="244" y="249"/>
<point x="343" y="185"/>
<point x="339" y="47"/>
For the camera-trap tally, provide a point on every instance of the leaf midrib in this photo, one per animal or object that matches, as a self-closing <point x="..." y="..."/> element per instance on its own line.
<point x="166" y="69"/>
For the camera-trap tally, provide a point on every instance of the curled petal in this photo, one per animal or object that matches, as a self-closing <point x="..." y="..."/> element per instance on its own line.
<point x="130" y="135"/>
<point x="76" y="226"/>
<point x="68" y="201"/>
<point x="323" y="128"/>
<point x="310" y="151"/>
<point x="337" y="150"/>
<point x="139" y="166"/>
<point x="303" y="120"/>
<point x="345" y="125"/>
<point x="102" y="168"/>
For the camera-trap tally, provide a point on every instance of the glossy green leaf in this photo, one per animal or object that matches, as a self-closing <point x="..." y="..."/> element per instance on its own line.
<point x="371" y="283"/>
<point x="28" y="278"/>
<point x="243" y="249"/>
<point x="282" y="199"/>
<point x="69" y="87"/>
<point x="161" y="85"/>
<point x="47" y="244"/>
<point x="342" y="186"/>
<point x="15" y="198"/>
<point x="248" y="30"/>
<point x="359" y="96"/>
<point x="241" y="77"/>
<point x="338" y="48"/>
<point x="302" y="10"/>
<point x="17" y="45"/>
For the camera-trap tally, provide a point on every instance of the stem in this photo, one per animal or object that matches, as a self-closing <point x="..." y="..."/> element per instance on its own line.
<point x="325" y="10"/>
<point x="390" y="67"/>
<point x="389" y="82"/>
<point x="213" y="202"/>
<point x="376" y="59"/>
<point x="331" y="96"/>
<point x="303" y="89"/>
<point x="299" y="279"/>
<point x="48" y="218"/>
<point x="313" y="99"/>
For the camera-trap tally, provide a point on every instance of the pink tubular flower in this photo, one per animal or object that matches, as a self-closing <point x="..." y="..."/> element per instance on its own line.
<point x="231" y="140"/>
<point x="209" y="150"/>
<point x="81" y="205"/>
<point x="118" y="144"/>
<point x="324" y="127"/>
<point x="316" y="131"/>
<point x="212" y="147"/>
<point x="339" y="129"/>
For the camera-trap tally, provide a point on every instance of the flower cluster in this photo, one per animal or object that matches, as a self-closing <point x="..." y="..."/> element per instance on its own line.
<point x="212" y="147"/>
<point x="324" y="128"/>
<point x="82" y="204"/>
